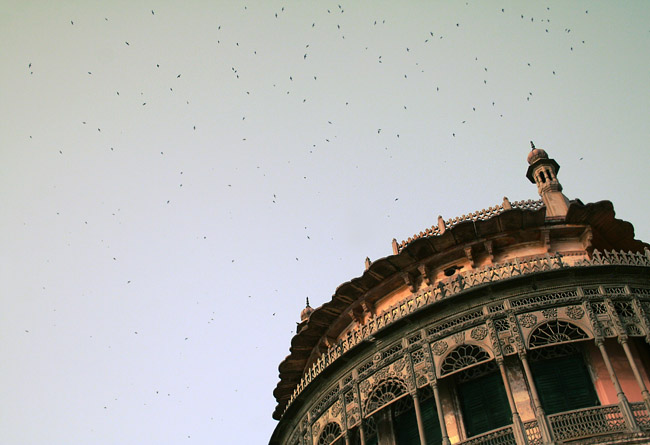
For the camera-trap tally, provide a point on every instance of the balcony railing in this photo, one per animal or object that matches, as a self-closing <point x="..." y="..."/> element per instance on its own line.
<point x="570" y="426"/>
<point x="587" y="422"/>
<point x="533" y="433"/>
<point x="501" y="436"/>
<point x="641" y="415"/>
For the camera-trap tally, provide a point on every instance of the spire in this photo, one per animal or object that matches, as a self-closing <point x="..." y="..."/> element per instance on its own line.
<point x="543" y="171"/>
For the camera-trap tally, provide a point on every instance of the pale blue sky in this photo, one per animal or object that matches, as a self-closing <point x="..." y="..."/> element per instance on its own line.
<point x="158" y="245"/>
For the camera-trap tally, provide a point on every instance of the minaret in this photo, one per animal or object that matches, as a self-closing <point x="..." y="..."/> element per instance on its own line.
<point x="543" y="172"/>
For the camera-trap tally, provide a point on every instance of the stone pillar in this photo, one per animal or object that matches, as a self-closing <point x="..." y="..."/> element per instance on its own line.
<point x="540" y="415"/>
<point x="626" y="411"/>
<point x="418" y="417"/>
<point x="517" y="425"/>
<point x="357" y="393"/>
<point x="637" y="374"/>
<point x="440" y="413"/>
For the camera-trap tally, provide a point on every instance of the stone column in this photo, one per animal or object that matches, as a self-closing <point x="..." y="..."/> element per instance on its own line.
<point x="440" y="413"/>
<point x="637" y="374"/>
<point x="413" y="390"/>
<point x="540" y="415"/>
<point x="418" y="417"/>
<point x="626" y="411"/>
<point x="517" y="425"/>
<point x="357" y="393"/>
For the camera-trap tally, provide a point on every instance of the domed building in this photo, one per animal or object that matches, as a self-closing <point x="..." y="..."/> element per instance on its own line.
<point x="524" y="323"/>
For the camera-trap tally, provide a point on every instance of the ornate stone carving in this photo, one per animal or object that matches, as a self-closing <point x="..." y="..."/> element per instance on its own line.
<point x="459" y="337"/>
<point x="515" y="332"/>
<point x="399" y="365"/>
<point x="381" y="374"/>
<point x="440" y="347"/>
<point x="550" y="313"/>
<point x="447" y="288"/>
<point x="575" y="312"/>
<point x="364" y="386"/>
<point x="336" y="408"/>
<point x="593" y="321"/>
<point x="528" y="320"/>
<point x="633" y="329"/>
<point x="479" y="333"/>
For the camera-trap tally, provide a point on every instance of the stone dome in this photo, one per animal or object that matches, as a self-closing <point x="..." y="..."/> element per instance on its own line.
<point x="535" y="154"/>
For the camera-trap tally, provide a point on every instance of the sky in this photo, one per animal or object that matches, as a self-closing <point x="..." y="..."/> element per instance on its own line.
<point x="177" y="177"/>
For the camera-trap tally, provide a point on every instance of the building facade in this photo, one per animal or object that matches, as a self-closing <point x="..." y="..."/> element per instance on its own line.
<point x="524" y="323"/>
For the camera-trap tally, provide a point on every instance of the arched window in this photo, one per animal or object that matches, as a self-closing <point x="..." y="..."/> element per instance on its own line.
<point x="462" y="357"/>
<point x="562" y="379"/>
<point x="405" y="421"/>
<point x="387" y="391"/>
<point x="330" y="433"/>
<point x="555" y="331"/>
<point x="483" y="399"/>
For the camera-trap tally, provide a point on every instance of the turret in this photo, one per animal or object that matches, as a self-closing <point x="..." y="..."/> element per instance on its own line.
<point x="543" y="172"/>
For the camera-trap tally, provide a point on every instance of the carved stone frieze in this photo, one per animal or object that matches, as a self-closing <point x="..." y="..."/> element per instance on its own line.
<point x="550" y="313"/>
<point x="399" y="365"/>
<point x="336" y="408"/>
<point x="575" y="312"/>
<point x="381" y="374"/>
<point x="633" y="329"/>
<point x="528" y="320"/>
<point x="479" y="333"/>
<point x="439" y="347"/>
<point x="515" y="333"/>
<point x="619" y="329"/>
<point x="364" y="387"/>
<point x="593" y="320"/>
<point x="494" y="336"/>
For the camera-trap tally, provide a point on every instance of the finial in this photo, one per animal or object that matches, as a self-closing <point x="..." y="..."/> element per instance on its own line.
<point x="306" y="312"/>
<point x="532" y="146"/>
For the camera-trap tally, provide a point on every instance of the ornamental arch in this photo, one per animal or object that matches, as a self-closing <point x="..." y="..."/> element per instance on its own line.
<point x="384" y="393"/>
<point x="554" y="332"/>
<point x="331" y="432"/>
<point x="462" y="357"/>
